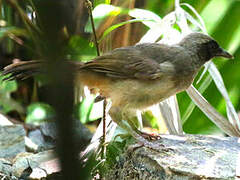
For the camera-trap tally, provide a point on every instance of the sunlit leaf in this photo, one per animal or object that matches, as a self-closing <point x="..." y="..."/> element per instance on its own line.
<point x="212" y="114"/>
<point x="171" y="115"/>
<point x="163" y="28"/>
<point x="115" y="26"/>
<point x="107" y="1"/>
<point x="7" y="86"/>
<point x="235" y="41"/>
<point x="79" y="47"/>
<point x="99" y="14"/>
<point x="231" y="112"/>
<point x="38" y="113"/>
<point x="213" y="13"/>
<point x="104" y="10"/>
<point x="207" y="81"/>
<point x="85" y="109"/>
<point x="192" y="20"/>
<point x="6" y="101"/>
<point x="150" y="18"/>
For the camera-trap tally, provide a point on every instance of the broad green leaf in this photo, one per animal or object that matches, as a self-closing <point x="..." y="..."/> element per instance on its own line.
<point x="211" y="112"/>
<point x="96" y="111"/>
<point x="79" y="47"/>
<point x="231" y="112"/>
<point x="207" y="81"/>
<point x="85" y="108"/>
<point x="192" y="20"/>
<point x="102" y="11"/>
<point x="7" y="86"/>
<point x="6" y="101"/>
<point x="39" y="112"/>
<point x="213" y="13"/>
<point x="107" y="1"/>
<point x="148" y="115"/>
<point x="235" y="41"/>
<point x="115" y="26"/>
<point x="150" y="18"/>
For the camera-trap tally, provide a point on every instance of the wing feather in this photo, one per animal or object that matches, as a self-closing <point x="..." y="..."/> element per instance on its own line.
<point x="130" y="62"/>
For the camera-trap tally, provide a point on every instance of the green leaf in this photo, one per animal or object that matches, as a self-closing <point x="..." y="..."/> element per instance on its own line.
<point x="7" y="86"/>
<point x="6" y="102"/>
<point x="107" y="1"/>
<point x="6" y="31"/>
<point x="191" y="106"/>
<point x="79" y="47"/>
<point x="39" y="112"/>
<point x="102" y="11"/>
<point x="148" y="17"/>
<point x="151" y="119"/>
<point x="214" y="12"/>
<point x="115" y="26"/>
<point x="85" y="108"/>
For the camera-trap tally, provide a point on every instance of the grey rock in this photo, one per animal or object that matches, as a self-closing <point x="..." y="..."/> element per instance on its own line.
<point x="11" y="140"/>
<point x="4" y="120"/>
<point x="185" y="157"/>
<point x="82" y="134"/>
<point x="42" y="143"/>
<point x="49" y="130"/>
<point x="36" y="163"/>
<point x="5" y="167"/>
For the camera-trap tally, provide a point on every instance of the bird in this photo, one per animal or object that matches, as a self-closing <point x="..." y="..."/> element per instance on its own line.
<point x="139" y="76"/>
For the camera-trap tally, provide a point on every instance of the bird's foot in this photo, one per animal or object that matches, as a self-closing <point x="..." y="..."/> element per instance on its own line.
<point x="150" y="136"/>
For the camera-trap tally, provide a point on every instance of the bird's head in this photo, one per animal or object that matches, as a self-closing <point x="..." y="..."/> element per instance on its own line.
<point x="204" y="46"/>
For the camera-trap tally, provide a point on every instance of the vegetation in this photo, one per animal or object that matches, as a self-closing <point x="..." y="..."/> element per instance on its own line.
<point x="23" y="27"/>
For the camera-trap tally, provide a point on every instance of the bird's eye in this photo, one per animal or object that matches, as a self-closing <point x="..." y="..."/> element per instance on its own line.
<point x="213" y="45"/>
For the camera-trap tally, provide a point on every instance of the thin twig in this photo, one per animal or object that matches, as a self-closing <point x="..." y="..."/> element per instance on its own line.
<point x="104" y="128"/>
<point x="90" y="7"/>
<point x="29" y="25"/>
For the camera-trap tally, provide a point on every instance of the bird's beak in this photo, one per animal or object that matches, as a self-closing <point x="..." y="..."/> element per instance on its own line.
<point x="224" y="53"/>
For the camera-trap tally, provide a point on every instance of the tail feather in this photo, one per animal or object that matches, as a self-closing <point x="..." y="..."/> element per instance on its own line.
<point x="26" y="69"/>
<point x="23" y="70"/>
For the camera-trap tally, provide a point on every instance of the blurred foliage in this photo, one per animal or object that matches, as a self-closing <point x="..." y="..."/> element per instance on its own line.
<point x="20" y="38"/>
<point x="79" y="48"/>
<point x="21" y="32"/>
<point x="221" y="19"/>
<point x="38" y="113"/>
<point x="7" y="103"/>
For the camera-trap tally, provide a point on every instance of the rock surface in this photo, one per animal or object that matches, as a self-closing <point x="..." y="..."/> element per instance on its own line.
<point x="11" y="140"/>
<point x="182" y="157"/>
<point x="170" y="158"/>
<point x="31" y="156"/>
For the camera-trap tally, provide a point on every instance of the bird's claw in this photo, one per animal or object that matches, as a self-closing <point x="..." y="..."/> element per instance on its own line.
<point x="150" y="137"/>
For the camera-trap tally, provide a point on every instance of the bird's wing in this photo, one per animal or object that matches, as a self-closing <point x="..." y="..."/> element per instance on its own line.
<point x="130" y="63"/>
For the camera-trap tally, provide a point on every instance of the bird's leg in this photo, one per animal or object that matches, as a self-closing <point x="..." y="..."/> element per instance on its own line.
<point x="131" y="116"/>
<point x="116" y="115"/>
<point x="121" y="116"/>
<point x="145" y="135"/>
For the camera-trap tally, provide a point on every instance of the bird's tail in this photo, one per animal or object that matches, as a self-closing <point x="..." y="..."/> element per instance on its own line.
<point x="24" y="69"/>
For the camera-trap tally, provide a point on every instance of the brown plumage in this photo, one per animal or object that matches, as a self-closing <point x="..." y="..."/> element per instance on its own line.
<point x="139" y="76"/>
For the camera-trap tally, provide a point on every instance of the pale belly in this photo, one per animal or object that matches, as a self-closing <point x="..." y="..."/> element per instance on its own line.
<point x="135" y="93"/>
<point x="142" y="94"/>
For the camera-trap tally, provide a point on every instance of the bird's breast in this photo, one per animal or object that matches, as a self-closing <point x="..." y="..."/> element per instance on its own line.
<point x="136" y="93"/>
<point x="139" y="94"/>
